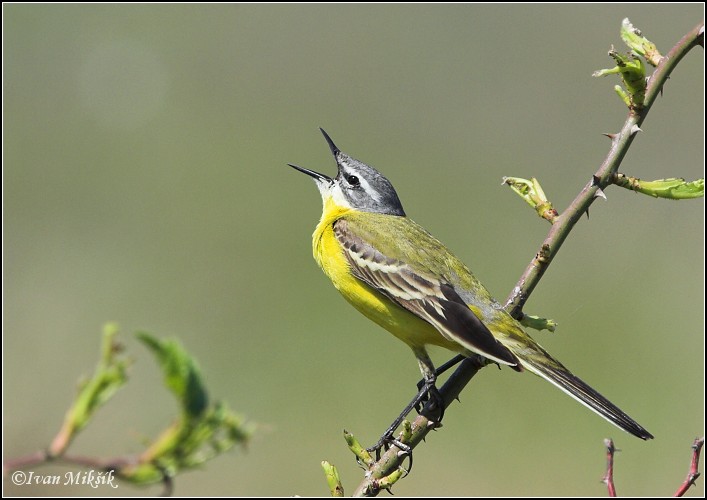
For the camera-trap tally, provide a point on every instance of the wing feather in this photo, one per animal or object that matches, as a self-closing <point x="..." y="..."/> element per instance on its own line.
<point x="427" y="296"/>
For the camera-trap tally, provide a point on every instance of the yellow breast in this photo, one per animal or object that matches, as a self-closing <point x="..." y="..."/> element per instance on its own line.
<point x="377" y="307"/>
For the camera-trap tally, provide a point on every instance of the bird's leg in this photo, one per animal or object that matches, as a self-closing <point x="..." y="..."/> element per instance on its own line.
<point x="429" y="377"/>
<point x="387" y="437"/>
<point x="452" y="362"/>
<point x="426" y="388"/>
<point x="439" y="371"/>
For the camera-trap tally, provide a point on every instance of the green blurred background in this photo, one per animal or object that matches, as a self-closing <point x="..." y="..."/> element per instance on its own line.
<point x="145" y="183"/>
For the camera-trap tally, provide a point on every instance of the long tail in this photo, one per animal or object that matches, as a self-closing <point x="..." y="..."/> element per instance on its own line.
<point x="553" y="371"/>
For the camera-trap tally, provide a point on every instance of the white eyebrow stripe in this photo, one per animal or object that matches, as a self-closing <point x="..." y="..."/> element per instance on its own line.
<point x="365" y="185"/>
<point x="367" y="188"/>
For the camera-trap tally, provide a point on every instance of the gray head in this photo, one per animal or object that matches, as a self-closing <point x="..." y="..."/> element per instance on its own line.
<point x="357" y="185"/>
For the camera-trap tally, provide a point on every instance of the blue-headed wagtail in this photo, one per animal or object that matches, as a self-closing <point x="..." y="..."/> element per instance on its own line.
<point x="401" y="277"/>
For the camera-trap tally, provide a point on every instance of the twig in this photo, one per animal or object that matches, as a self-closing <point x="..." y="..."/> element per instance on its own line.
<point x="36" y="458"/>
<point x="694" y="465"/>
<point x="202" y="431"/>
<point x="608" y="478"/>
<point x="692" y="476"/>
<point x="601" y="179"/>
<point x="44" y="458"/>
<point x="619" y="146"/>
<point x="393" y="458"/>
<point x="561" y="228"/>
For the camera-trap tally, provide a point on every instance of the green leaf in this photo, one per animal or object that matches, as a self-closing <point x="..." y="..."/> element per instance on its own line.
<point x="189" y="443"/>
<point x="538" y="323"/>
<point x="672" y="189"/>
<point x="201" y="432"/>
<point x="633" y="75"/>
<point x="639" y="44"/>
<point x="333" y="480"/>
<point x="181" y="373"/>
<point x="362" y="455"/>
<point x="533" y="194"/>
<point x="109" y="376"/>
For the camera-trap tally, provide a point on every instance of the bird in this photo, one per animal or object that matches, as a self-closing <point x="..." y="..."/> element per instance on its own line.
<point x="401" y="277"/>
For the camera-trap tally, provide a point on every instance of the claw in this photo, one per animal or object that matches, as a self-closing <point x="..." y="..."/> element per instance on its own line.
<point x="428" y="397"/>
<point x="436" y="402"/>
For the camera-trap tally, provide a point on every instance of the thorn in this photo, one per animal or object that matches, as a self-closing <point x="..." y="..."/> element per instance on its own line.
<point x="595" y="180"/>
<point x="587" y="212"/>
<point x="600" y="194"/>
<point x="610" y="136"/>
<point x="635" y="129"/>
<point x="459" y="400"/>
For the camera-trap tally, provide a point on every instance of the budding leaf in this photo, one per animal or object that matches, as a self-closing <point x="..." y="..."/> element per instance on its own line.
<point x="672" y="189"/>
<point x="639" y="44"/>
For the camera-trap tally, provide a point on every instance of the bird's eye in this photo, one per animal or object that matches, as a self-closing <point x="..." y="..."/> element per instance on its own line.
<point x="353" y="180"/>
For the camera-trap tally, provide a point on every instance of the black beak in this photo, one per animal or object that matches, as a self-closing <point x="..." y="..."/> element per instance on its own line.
<point x="317" y="176"/>
<point x="332" y="146"/>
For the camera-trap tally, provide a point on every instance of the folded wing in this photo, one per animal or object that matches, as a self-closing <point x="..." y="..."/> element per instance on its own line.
<point x="426" y="296"/>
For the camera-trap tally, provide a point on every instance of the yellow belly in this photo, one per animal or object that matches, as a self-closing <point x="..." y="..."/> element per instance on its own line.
<point x="375" y="306"/>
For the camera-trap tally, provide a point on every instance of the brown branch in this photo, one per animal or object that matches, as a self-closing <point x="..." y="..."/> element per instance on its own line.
<point x="694" y="465"/>
<point x="608" y="478"/>
<point x="559" y="231"/>
<point x="421" y="426"/>
<point x="692" y="476"/>
<point x="620" y="143"/>
<point x="44" y="458"/>
<point x="36" y="458"/>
